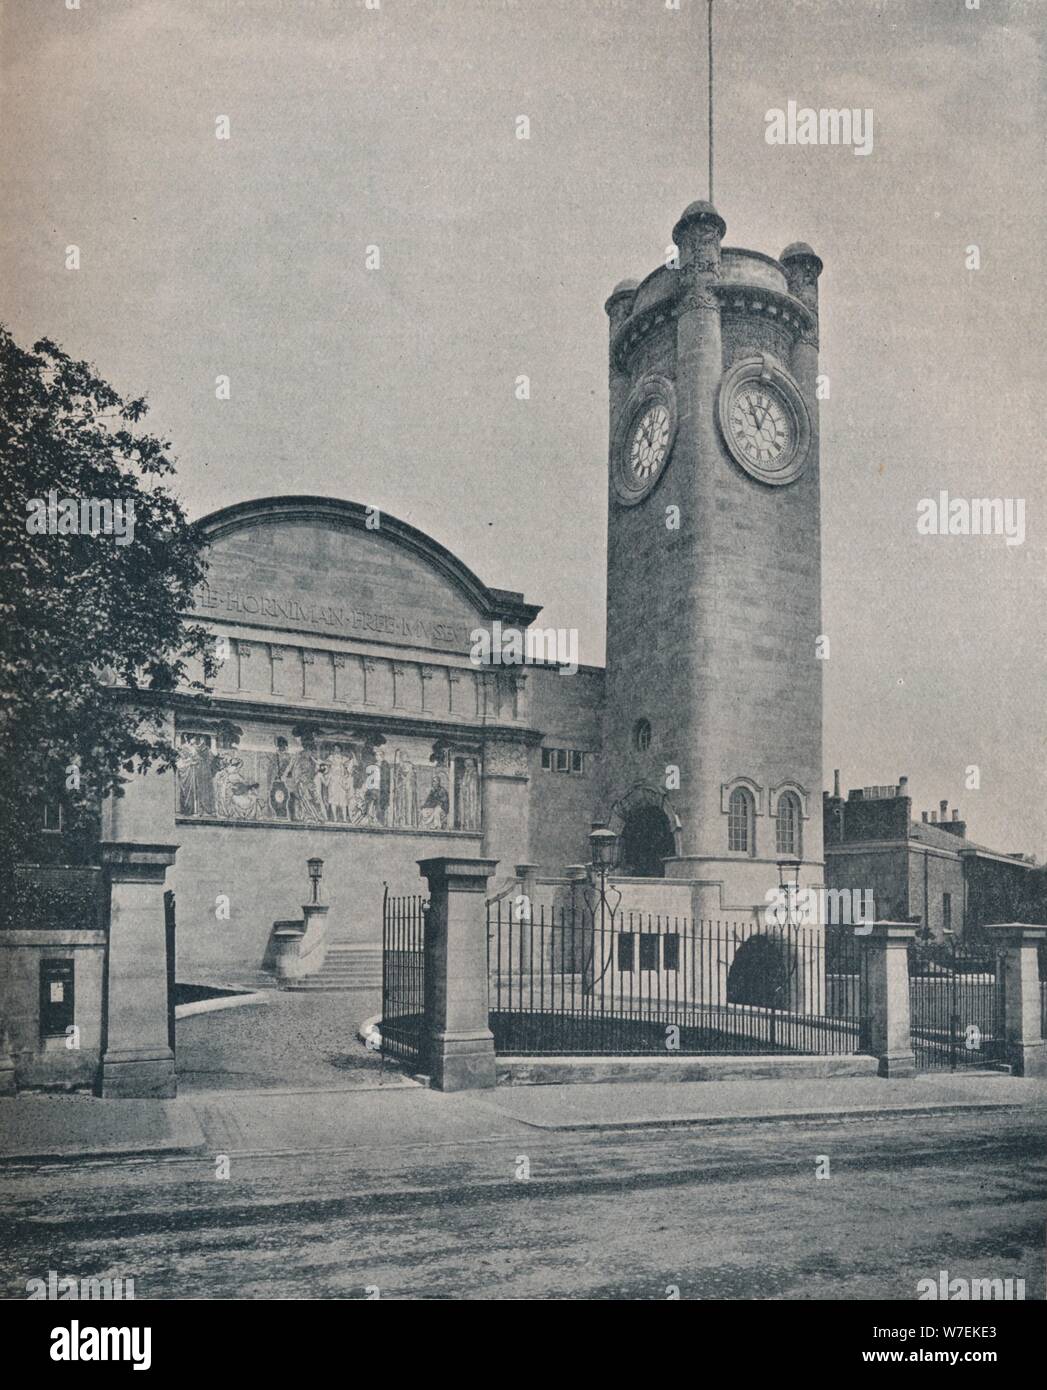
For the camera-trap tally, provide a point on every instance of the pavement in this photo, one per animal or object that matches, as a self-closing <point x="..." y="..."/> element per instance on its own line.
<point x="78" y="1127"/>
<point x="288" y="1075"/>
<point x="396" y="1111"/>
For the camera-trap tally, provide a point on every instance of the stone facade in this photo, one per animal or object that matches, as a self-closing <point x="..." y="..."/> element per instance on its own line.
<point x="348" y="722"/>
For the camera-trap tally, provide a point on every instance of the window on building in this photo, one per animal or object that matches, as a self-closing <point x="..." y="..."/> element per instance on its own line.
<point x="570" y="760"/>
<point x="648" y="951"/>
<point x="787" y="825"/>
<point x="671" y="951"/>
<point x="642" y="735"/>
<point x="740" y="817"/>
<point x="625" y="951"/>
<point x="51" y="817"/>
<point x="946" y="912"/>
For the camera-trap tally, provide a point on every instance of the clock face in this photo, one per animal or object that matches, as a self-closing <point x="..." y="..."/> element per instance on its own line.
<point x="761" y="426"/>
<point x="642" y="442"/>
<point x="764" y="420"/>
<point x="650" y="442"/>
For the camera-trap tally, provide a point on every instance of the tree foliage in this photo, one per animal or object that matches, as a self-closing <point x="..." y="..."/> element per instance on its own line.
<point x="92" y="629"/>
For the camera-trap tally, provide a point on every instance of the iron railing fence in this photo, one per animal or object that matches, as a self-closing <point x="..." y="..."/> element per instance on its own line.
<point x="590" y="983"/>
<point x="956" y="1006"/>
<point x="403" y="975"/>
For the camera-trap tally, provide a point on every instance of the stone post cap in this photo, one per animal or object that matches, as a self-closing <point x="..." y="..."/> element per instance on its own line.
<point x="576" y="873"/>
<point x="465" y="875"/>
<point x="289" y="928"/>
<point x="890" y="933"/>
<point x="526" y="870"/>
<point x="130" y="859"/>
<point x="1015" y="933"/>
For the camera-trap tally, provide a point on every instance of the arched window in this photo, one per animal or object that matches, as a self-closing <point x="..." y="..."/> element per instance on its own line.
<point x="787" y="825"/>
<point x="642" y="735"/>
<point x="740" y="818"/>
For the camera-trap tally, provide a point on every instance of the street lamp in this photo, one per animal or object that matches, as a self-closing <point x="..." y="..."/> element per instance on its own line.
<point x="316" y="873"/>
<point x="789" y="884"/>
<point x="603" y="847"/>
<point x="603" y="855"/>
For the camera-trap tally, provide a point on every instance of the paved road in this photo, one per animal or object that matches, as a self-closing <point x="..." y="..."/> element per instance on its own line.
<point x="735" y="1212"/>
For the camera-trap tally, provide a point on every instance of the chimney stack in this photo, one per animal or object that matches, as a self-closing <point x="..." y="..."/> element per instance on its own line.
<point x="955" y="814"/>
<point x="836" y="782"/>
<point x="934" y="817"/>
<point x="903" y="786"/>
<point x="943" y="806"/>
<point x="924" y="817"/>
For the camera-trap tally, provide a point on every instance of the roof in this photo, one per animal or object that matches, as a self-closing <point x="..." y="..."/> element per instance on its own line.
<point x="931" y="834"/>
<point x="503" y="604"/>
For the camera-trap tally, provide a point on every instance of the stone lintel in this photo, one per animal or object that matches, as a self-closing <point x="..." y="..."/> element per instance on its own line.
<point x="891" y="933"/>
<point x="130" y="861"/>
<point x="68" y="938"/>
<point x="457" y="875"/>
<point x="1016" y="933"/>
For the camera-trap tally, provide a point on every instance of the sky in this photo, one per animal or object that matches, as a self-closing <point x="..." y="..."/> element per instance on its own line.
<point x="396" y="127"/>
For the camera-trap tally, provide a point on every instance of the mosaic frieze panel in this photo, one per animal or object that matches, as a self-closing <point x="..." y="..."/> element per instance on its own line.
<point x="306" y="773"/>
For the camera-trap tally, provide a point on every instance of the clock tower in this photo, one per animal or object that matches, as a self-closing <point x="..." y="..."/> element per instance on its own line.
<point x="712" y="743"/>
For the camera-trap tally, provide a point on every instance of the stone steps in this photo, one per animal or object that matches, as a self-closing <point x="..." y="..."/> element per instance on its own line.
<point x="346" y="967"/>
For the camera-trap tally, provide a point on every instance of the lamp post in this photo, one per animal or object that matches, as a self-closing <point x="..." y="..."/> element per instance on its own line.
<point x="603" y="848"/>
<point x="789" y="884"/>
<point x="316" y="873"/>
<point x="603" y="856"/>
<point x="781" y="982"/>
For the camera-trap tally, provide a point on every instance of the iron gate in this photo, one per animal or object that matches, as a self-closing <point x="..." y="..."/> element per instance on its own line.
<point x="403" y="975"/>
<point x="588" y="983"/>
<point x="169" y="947"/>
<point x="955" y="1005"/>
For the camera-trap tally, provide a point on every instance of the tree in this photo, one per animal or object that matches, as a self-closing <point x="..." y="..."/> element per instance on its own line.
<point x="92" y="629"/>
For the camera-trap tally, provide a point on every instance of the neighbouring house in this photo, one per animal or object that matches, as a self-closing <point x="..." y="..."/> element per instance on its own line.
<point x="926" y="868"/>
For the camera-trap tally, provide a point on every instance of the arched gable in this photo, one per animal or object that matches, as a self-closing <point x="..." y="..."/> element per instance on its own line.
<point x="327" y="566"/>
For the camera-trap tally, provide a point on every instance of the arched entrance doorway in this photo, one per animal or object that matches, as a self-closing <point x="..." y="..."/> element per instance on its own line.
<point x="647" y="841"/>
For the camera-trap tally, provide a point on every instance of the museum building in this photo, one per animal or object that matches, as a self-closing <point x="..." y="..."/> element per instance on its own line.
<point x="349" y="721"/>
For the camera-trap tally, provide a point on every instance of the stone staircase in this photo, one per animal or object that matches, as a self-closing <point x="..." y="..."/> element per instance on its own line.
<point x="345" y="967"/>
